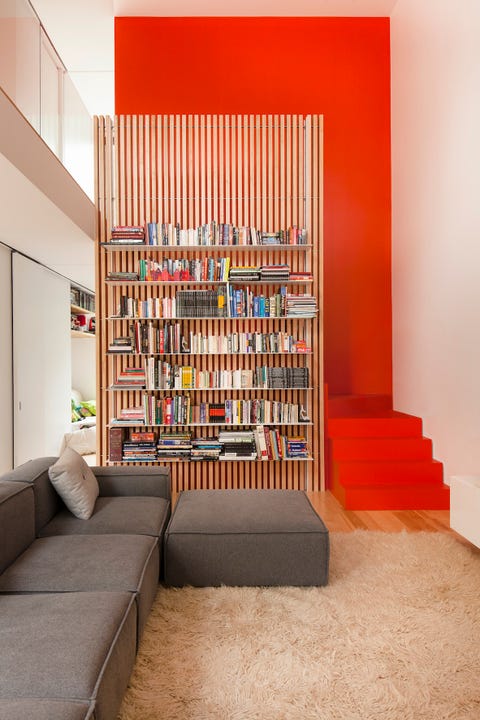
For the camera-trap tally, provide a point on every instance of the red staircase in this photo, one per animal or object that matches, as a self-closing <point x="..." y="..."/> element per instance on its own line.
<point x="378" y="459"/>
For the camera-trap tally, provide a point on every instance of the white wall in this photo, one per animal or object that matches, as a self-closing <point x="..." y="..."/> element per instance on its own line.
<point x="6" y="417"/>
<point x="436" y="223"/>
<point x="84" y="367"/>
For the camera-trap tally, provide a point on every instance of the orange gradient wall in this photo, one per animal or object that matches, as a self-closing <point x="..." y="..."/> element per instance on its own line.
<point x="339" y="67"/>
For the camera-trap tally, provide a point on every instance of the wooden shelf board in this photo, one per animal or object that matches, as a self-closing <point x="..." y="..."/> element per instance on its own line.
<point x="81" y="334"/>
<point x="116" y="388"/>
<point x="119" y="247"/>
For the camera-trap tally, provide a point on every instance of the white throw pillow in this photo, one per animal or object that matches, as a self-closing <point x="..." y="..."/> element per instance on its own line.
<point x="75" y="483"/>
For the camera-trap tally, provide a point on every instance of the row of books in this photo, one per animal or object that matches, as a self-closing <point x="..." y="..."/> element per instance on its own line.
<point x="212" y="233"/>
<point x="172" y="338"/>
<point x="179" y="410"/>
<point x="162" y="375"/>
<point x="223" y="302"/>
<point x="262" y="443"/>
<point x="184" y="269"/>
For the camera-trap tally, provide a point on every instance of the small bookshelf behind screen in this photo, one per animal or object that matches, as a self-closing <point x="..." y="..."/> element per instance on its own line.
<point x="209" y="298"/>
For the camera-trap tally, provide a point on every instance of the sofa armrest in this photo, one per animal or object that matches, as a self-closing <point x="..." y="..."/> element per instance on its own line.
<point x="133" y="481"/>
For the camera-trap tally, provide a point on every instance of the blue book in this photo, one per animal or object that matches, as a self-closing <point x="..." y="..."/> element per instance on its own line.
<point x="152" y="233"/>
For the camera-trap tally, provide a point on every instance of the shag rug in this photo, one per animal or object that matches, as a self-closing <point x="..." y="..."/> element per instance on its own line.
<point x="394" y="636"/>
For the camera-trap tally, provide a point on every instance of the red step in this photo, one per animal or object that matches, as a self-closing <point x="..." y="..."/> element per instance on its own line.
<point x="393" y="497"/>
<point x="381" y="448"/>
<point x="400" y="472"/>
<point x="392" y="424"/>
<point x="348" y="405"/>
<point x="378" y="458"/>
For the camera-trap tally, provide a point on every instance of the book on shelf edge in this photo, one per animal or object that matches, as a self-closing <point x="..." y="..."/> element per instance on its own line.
<point x="115" y="448"/>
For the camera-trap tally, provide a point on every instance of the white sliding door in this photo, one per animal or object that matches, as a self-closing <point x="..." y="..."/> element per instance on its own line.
<point x="41" y="359"/>
<point x="6" y="417"/>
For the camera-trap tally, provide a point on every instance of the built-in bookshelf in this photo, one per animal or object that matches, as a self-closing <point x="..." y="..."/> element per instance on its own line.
<point x="82" y="313"/>
<point x="209" y="267"/>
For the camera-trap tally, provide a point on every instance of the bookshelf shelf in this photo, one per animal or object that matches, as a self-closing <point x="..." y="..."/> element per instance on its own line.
<point x="121" y="423"/>
<point x="121" y="247"/>
<point x="82" y="334"/>
<point x="81" y="310"/>
<point x="177" y="180"/>
<point x="209" y="317"/>
<point x="189" y="283"/>
<point x="131" y="388"/>
<point x="235" y="460"/>
<point x="205" y="354"/>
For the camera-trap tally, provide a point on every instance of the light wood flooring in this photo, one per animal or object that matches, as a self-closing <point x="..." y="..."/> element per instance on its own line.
<point x="339" y="520"/>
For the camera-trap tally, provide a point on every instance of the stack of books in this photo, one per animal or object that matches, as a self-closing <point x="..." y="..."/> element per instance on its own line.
<point x="130" y="377"/>
<point x="141" y="447"/>
<point x="275" y="273"/>
<point x="208" y="448"/>
<point x="301" y="305"/>
<point x="123" y="276"/>
<point x="128" y="235"/>
<point x="237" y="445"/>
<point x="297" y="447"/>
<point x="131" y="415"/>
<point x="244" y="273"/>
<point x="174" y="446"/>
<point x="121" y="345"/>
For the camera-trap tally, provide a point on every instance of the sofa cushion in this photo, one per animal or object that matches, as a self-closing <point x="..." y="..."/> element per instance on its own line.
<point x="17" y="521"/>
<point x="246" y="537"/>
<point x="122" y="515"/>
<point x="138" y="480"/>
<point x="69" y="646"/>
<point x="75" y="483"/>
<point x="80" y="563"/>
<point x="45" y="710"/>
<point x="47" y="500"/>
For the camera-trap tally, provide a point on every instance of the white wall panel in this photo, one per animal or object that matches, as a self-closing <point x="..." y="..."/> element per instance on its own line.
<point x="436" y="223"/>
<point x="41" y="359"/>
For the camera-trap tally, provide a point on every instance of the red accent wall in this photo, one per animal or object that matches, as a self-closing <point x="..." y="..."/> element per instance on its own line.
<point x="339" y="67"/>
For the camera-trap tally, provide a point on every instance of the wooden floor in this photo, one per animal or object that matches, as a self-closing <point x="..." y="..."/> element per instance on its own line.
<point x="339" y="520"/>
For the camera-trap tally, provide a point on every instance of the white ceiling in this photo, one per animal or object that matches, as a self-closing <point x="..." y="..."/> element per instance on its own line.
<point x="83" y="32"/>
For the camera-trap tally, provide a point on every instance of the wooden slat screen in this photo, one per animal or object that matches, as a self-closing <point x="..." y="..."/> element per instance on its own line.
<point x="263" y="171"/>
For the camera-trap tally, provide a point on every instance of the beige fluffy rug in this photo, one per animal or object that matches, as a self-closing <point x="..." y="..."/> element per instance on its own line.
<point x="394" y="636"/>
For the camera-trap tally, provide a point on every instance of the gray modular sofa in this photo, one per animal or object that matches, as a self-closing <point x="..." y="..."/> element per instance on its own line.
<point x="75" y="594"/>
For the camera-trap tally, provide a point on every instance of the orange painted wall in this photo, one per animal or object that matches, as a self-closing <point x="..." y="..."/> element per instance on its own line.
<point x="339" y="67"/>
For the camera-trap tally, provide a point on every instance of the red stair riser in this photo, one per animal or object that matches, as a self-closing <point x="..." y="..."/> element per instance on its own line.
<point x="400" y="426"/>
<point x="409" y="497"/>
<point x="394" y="448"/>
<point x="393" y="473"/>
<point x="345" y="405"/>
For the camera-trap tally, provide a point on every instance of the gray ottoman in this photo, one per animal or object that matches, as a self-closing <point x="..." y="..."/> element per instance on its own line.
<point x="245" y="537"/>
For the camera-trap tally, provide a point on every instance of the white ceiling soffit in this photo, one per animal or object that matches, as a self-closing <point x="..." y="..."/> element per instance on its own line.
<point x="44" y="233"/>
<point x="252" y="8"/>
